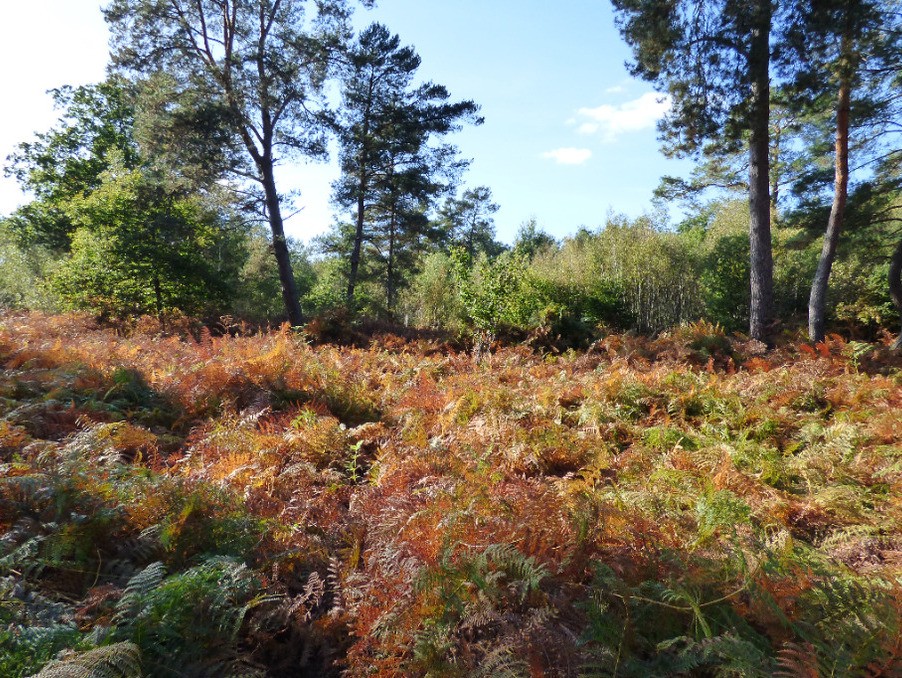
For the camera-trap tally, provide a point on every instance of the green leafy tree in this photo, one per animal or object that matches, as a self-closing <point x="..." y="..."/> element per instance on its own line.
<point x="129" y="240"/>
<point x="655" y="270"/>
<point x="430" y="301"/>
<point x="858" y="279"/>
<point x="262" y="63"/>
<point x="22" y="271"/>
<point x="329" y="285"/>
<point x="138" y="249"/>
<point x="713" y="59"/>
<point x="494" y="292"/>
<point x="570" y="276"/>
<point x="68" y="161"/>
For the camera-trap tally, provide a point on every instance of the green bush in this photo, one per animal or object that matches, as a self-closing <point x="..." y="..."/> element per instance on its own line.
<point x="432" y="300"/>
<point x="496" y="293"/>
<point x="22" y="273"/>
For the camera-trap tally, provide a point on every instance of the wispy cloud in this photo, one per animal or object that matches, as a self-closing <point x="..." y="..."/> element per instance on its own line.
<point x="616" y="89"/>
<point x="568" y="156"/>
<point x="611" y="121"/>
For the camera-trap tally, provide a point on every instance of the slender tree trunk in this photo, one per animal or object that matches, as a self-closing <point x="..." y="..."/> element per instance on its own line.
<point x="158" y="297"/>
<point x="355" y="252"/>
<point x="895" y="287"/>
<point x="361" y="209"/>
<point x="776" y="150"/>
<point x="817" y="302"/>
<point x="762" y="264"/>
<point x="280" y="244"/>
<point x="390" y="272"/>
<point x="263" y="159"/>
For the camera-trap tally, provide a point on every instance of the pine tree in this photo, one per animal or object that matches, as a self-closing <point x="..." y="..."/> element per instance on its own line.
<point x="469" y="222"/>
<point x="263" y="63"/>
<point x="713" y="59"/>
<point x="391" y="173"/>
<point x="842" y="57"/>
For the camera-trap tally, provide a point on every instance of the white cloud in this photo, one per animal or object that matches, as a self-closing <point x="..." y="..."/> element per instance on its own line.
<point x="568" y="156"/>
<point x="630" y="116"/>
<point x="616" y="89"/>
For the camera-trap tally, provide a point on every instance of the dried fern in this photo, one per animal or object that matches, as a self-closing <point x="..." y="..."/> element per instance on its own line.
<point x="120" y="660"/>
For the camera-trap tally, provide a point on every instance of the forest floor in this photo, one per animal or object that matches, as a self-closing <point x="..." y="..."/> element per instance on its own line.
<point x="693" y="504"/>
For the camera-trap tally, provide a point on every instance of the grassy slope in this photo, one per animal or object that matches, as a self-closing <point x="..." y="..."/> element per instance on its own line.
<point x="685" y="505"/>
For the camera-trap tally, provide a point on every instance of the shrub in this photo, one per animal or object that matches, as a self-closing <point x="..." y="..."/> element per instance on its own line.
<point x="432" y="300"/>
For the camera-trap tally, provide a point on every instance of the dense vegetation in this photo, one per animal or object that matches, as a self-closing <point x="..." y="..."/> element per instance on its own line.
<point x="264" y="506"/>
<point x="408" y="449"/>
<point x="156" y="192"/>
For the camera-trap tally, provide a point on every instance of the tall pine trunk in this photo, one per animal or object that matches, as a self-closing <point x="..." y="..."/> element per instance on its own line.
<point x="762" y="264"/>
<point x="390" y="289"/>
<point x="362" y="186"/>
<point x="895" y="287"/>
<point x="817" y="302"/>
<point x="280" y="243"/>
<point x="355" y="251"/>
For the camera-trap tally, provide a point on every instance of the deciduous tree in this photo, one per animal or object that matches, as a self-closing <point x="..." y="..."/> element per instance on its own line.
<point x="140" y="249"/>
<point x="95" y="130"/>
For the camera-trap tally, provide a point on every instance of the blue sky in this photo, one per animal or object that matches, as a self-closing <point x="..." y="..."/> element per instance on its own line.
<point x="568" y="135"/>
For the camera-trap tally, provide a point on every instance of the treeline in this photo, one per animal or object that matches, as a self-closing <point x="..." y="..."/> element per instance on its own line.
<point x="642" y="275"/>
<point x="156" y="192"/>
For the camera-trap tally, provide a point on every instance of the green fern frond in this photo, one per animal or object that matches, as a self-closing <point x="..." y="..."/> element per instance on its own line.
<point x="188" y="621"/>
<point x="724" y="655"/>
<point x="848" y="535"/>
<point x="501" y="662"/>
<point x="850" y="623"/>
<point x="137" y="589"/>
<point x="522" y="570"/>
<point x="24" y="559"/>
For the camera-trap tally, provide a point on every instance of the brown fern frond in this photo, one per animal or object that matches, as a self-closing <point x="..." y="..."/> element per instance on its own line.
<point x="797" y="661"/>
<point x="120" y="660"/>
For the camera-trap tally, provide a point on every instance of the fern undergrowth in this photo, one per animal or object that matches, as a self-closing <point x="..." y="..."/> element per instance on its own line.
<point x="252" y="506"/>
